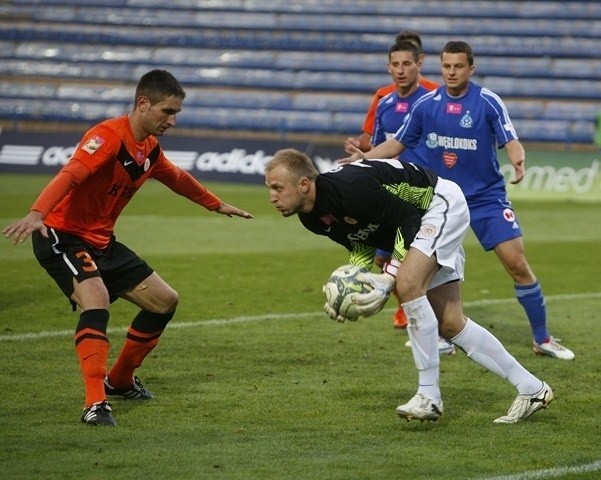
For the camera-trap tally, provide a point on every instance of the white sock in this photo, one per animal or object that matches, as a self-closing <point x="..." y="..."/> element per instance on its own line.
<point x="423" y="334"/>
<point x="485" y="349"/>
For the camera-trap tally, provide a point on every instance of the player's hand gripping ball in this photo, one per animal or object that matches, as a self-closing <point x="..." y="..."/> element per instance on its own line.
<point x="340" y="291"/>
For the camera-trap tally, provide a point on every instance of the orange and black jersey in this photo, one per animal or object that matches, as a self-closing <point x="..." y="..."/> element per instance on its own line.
<point x="108" y="167"/>
<point x="375" y="204"/>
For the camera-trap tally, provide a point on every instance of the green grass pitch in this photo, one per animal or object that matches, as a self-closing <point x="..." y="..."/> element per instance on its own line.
<point x="253" y="381"/>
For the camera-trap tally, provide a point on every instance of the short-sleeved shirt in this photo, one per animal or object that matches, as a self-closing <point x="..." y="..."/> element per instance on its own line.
<point x="392" y="110"/>
<point x="370" y="116"/>
<point x="458" y="138"/>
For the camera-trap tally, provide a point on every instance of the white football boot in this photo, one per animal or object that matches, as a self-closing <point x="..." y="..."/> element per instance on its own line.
<point x="525" y="405"/>
<point x="552" y="348"/>
<point x="421" y="408"/>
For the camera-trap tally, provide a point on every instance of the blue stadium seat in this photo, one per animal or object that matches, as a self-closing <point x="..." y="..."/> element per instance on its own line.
<point x="555" y="110"/>
<point x="238" y="99"/>
<point x="543" y="130"/>
<point x="27" y="90"/>
<point x="307" y="122"/>
<point x="284" y="66"/>
<point x="96" y="93"/>
<point x="232" y="118"/>
<point x="216" y="57"/>
<point x="543" y="87"/>
<point x="347" y="123"/>
<point x="332" y="101"/>
<point x="525" y="109"/>
<point x="581" y="132"/>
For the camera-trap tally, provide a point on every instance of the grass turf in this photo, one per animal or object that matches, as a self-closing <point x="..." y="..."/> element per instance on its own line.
<point x="254" y="382"/>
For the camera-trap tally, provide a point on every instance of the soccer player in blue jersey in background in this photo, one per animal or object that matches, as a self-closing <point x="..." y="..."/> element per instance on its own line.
<point x="404" y="68"/>
<point x="456" y="131"/>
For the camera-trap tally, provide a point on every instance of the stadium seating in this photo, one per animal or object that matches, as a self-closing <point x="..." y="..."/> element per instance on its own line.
<point x="304" y="67"/>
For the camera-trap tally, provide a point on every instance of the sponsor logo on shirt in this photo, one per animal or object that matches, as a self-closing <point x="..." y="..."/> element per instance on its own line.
<point x="401" y="107"/>
<point x="434" y="141"/>
<point x="93" y="144"/>
<point x="363" y="233"/>
<point x="454" y="108"/>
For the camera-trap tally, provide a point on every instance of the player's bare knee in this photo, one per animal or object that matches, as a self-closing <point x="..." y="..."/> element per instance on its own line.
<point x="407" y="291"/>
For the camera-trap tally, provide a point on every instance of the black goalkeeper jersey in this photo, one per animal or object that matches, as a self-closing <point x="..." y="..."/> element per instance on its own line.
<point x="374" y="204"/>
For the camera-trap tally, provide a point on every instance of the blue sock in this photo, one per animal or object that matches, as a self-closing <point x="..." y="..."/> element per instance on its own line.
<point x="532" y="300"/>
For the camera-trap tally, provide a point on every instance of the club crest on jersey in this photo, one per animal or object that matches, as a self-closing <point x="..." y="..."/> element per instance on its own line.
<point x="466" y="121"/>
<point x="93" y="144"/>
<point x="454" y="108"/>
<point x="449" y="159"/>
<point x="401" y="107"/>
<point x="146" y="164"/>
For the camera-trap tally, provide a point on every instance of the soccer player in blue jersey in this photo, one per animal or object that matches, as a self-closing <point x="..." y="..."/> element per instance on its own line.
<point x="456" y="131"/>
<point x="404" y="68"/>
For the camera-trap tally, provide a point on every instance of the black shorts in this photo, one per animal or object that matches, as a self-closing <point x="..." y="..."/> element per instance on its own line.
<point x="66" y="257"/>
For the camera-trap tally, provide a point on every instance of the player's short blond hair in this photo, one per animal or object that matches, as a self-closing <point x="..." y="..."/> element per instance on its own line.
<point x="297" y="163"/>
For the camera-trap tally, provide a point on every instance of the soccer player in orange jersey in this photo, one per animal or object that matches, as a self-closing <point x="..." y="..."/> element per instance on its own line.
<point x="72" y="228"/>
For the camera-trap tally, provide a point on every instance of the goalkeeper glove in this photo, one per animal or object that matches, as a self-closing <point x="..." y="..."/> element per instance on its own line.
<point x="368" y="304"/>
<point x="334" y="315"/>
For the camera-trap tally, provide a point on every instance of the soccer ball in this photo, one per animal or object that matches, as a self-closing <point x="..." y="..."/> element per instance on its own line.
<point x="339" y="289"/>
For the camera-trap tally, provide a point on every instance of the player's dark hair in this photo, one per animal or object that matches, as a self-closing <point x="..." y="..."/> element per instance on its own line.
<point x="158" y="85"/>
<point x="405" y="46"/>
<point x="412" y="37"/>
<point x="296" y="162"/>
<point x="457" y="46"/>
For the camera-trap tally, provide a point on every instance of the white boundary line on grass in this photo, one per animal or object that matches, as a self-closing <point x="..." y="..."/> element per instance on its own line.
<point x="550" y="472"/>
<point x="269" y="316"/>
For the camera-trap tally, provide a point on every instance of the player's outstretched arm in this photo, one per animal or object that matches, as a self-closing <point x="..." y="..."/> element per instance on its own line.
<point x="230" y="211"/>
<point x="19" y="231"/>
<point x="388" y="149"/>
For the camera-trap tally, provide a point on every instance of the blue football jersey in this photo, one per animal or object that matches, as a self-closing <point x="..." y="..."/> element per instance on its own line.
<point x="458" y="138"/>
<point x="392" y="110"/>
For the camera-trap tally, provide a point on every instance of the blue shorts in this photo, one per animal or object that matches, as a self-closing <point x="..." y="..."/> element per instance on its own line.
<point x="493" y="222"/>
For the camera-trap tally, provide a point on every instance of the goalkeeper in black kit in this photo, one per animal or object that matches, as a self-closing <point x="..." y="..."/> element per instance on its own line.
<point x="408" y="210"/>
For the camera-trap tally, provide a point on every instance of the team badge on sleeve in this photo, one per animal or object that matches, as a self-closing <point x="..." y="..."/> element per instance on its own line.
<point x="93" y="144"/>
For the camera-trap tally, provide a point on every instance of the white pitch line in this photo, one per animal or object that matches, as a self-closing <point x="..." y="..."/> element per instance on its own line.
<point x="271" y="316"/>
<point x="550" y="472"/>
